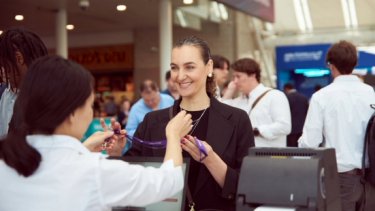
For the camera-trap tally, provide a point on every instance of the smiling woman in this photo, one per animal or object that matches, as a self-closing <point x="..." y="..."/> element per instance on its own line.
<point x="224" y="130"/>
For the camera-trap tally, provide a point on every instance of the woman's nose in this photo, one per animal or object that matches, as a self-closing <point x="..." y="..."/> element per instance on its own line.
<point x="180" y="75"/>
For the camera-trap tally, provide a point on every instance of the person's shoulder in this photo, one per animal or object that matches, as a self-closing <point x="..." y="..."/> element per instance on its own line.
<point x="275" y="93"/>
<point x="137" y="105"/>
<point x="166" y="97"/>
<point x="158" y="114"/>
<point x="226" y="109"/>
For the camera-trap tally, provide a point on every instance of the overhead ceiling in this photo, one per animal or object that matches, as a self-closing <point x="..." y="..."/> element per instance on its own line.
<point x="101" y="15"/>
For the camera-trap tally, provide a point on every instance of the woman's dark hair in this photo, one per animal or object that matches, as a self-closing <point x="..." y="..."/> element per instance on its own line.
<point x="206" y="56"/>
<point x="248" y="66"/>
<point x="53" y="88"/>
<point x="344" y="56"/>
<point x="219" y="61"/>
<point x="23" y="41"/>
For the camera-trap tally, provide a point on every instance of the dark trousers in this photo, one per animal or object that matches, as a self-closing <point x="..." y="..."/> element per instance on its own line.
<point x="351" y="192"/>
<point x="292" y="139"/>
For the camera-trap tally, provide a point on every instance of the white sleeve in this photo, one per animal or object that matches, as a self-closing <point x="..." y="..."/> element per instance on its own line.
<point x="124" y="184"/>
<point x="312" y="134"/>
<point x="281" y="119"/>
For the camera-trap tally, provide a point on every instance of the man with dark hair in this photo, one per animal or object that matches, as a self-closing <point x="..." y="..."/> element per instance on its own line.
<point x="171" y="89"/>
<point x="298" y="104"/>
<point x="267" y="108"/>
<point x="339" y="112"/>
<point x="221" y="71"/>
<point x="151" y="100"/>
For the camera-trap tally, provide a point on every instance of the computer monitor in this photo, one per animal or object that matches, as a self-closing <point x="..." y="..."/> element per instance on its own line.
<point x="176" y="202"/>
<point x="298" y="178"/>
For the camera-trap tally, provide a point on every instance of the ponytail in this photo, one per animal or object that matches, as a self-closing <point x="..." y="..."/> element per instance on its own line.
<point x="18" y="154"/>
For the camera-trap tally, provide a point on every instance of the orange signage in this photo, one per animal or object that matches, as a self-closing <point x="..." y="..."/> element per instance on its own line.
<point x="116" y="57"/>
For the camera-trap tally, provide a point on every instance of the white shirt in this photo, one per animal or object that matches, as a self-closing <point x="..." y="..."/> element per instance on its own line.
<point x="271" y="115"/>
<point x="340" y="112"/>
<point x="6" y="110"/>
<point x="72" y="178"/>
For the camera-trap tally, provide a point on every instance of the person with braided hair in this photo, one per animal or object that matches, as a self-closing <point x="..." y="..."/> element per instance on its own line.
<point x="18" y="49"/>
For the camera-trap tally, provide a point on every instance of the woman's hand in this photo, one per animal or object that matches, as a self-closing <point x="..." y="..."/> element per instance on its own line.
<point x="95" y="141"/>
<point x="215" y="165"/>
<point x="116" y="142"/>
<point x="189" y="144"/>
<point x="179" y="126"/>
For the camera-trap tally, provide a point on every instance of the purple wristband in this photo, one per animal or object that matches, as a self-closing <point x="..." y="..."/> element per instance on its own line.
<point x="202" y="149"/>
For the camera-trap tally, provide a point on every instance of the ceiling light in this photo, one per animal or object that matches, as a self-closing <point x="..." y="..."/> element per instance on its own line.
<point x="181" y="18"/>
<point x="188" y="1"/>
<point x="223" y="12"/>
<point x="303" y="16"/>
<point x="121" y="7"/>
<point x="350" y="14"/>
<point x="70" y="26"/>
<point x="19" y="17"/>
<point x="215" y="9"/>
<point x="307" y="16"/>
<point x="268" y="26"/>
<point x="1" y="31"/>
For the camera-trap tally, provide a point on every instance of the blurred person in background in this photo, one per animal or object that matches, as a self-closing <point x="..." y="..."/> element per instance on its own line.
<point x="267" y="108"/>
<point x="337" y="118"/>
<point x="151" y="100"/>
<point x="110" y="106"/>
<point x="298" y="104"/>
<point x="221" y="73"/>
<point x="18" y="49"/>
<point x="123" y="114"/>
<point x="171" y="86"/>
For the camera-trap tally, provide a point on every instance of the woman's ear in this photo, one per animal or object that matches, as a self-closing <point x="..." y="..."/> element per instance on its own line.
<point x="71" y="118"/>
<point x="210" y="66"/>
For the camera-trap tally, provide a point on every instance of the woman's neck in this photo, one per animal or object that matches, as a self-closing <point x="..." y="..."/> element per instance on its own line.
<point x="195" y="103"/>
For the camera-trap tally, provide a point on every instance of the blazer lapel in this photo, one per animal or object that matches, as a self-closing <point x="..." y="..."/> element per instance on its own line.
<point x="219" y="134"/>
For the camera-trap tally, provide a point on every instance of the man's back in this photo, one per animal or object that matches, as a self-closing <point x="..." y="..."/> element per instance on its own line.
<point x="340" y="112"/>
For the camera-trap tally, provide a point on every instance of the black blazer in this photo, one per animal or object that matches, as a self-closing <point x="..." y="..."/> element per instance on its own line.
<point x="229" y="132"/>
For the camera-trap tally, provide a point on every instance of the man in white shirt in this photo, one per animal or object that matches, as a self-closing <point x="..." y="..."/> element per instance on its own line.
<point x="339" y="113"/>
<point x="268" y="108"/>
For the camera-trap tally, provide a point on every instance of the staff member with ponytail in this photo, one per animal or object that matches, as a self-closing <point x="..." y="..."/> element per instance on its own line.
<point x="44" y="166"/>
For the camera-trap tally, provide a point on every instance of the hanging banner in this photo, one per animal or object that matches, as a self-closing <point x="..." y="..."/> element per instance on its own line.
<point x="263" y="9"/>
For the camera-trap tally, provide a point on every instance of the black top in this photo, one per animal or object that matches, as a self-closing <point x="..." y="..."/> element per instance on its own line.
<point x="200" y="123"/>
<point x="226" y="129"/>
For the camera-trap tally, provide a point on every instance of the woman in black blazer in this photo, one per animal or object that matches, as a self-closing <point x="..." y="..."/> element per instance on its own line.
<point x="225" y="131"/>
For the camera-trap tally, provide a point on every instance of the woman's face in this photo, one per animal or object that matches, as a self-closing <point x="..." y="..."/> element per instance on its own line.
<point x="221" y="74"/>
<point x="189" y="71"/>
<point x="82" y="117"/>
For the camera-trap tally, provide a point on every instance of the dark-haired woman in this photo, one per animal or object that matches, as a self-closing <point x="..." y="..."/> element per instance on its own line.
<point x="18" y="49"/>
<point x="44" y="166"/>
<point x="225" y="132"/>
